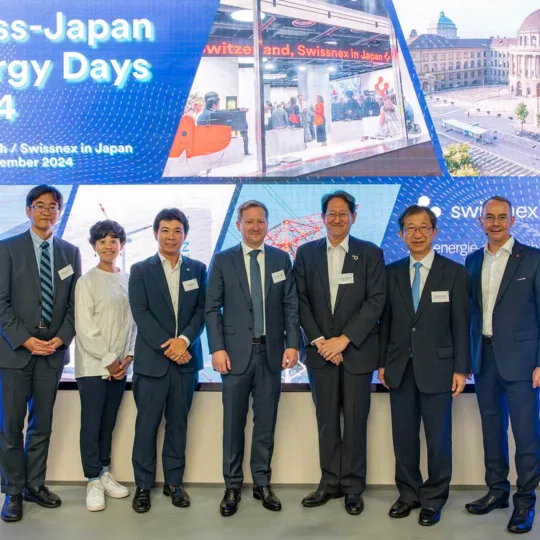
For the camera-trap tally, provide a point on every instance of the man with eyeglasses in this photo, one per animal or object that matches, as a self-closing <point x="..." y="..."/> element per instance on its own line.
<point x="342" y="290"/>
<point x="425" y="360"/>
<point x="505" y="331"/>
<point x="38" y="273"/>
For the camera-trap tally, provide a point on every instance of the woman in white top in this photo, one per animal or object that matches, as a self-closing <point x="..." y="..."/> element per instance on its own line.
<point x="104" y="343"/>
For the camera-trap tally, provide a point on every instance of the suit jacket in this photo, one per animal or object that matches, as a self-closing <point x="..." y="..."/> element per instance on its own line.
<point x="358" y="306"/>
<point x="229" y="316"/>
<point x="437" y="335"/>
<point x="153" y="312"/>
<point x="516" y="317"/>
<point x="20" y="300"/>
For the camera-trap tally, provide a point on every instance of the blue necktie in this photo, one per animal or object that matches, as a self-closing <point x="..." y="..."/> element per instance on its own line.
<point x="46" y="284"/>
<point x="256" y="294"/>
<point x="416" y="285"/>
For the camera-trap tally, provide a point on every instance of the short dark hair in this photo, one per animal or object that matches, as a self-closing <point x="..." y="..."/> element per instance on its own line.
<point x="38" y="191"/>
<point x="211" y="102"/>
<point x="499" y="198"/>
<point x="211" y="95"/>
<point x="251" y="204"/>
<point x="105" y="228"/>
<point x="413" y="211"/>
<point x="169" y="214"/>
<point x="340" y="194"/>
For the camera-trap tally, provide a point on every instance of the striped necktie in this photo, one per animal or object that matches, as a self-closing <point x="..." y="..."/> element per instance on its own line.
<point x="47" y="301"/>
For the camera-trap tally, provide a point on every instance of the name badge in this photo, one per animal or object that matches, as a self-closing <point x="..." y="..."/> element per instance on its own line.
<point x="346" y="279"/>
<point x="278" y="276"/>
<point x="66" y="272"/>
<point x="440" y="296"/>
<point x="190" y="285"/>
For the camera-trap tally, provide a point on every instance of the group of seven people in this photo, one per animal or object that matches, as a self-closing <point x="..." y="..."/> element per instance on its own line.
<point x="418" y="321"/>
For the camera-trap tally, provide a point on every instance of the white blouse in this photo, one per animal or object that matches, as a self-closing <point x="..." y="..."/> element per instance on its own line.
<point x="105" y="330"/>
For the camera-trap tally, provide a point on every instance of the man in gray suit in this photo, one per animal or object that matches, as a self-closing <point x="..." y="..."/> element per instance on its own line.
<point x="253" y="330"/>
<point x="38" y="273"/>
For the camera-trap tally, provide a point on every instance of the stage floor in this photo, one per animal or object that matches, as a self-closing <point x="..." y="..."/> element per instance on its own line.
<point x="203" y="521"/>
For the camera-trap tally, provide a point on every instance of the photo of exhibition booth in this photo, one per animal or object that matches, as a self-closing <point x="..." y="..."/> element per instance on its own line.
<point x="326" y="87"/>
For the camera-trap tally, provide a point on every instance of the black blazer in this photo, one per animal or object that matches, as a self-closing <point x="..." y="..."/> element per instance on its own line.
<point x="20" y="300"/>
<point x="229" y="317"/>
<point x="153" y="312"/>
<point x="516" y="317"/>
<point x="358" y="306"/>
<point x="437" y="335"/>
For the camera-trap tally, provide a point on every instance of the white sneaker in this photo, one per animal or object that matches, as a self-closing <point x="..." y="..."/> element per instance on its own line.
<point x="95" y="496"/>
<point x="112" y="487"/>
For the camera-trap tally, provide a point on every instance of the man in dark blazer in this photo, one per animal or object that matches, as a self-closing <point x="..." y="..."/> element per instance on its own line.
<point x="425" y="360"/>
<point x="505" y="330"/>
<point x="166" y="294"/>
<point x="252" y="321"/>
<point x="38" y="272"/>
<point x="341" y="291"/>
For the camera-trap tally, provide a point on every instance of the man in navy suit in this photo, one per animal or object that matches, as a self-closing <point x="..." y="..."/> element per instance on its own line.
<point x="252" y="321"/>
<point x="505" y="332"/>
<point x="38" y="273"/>
<point x="425" y="360"/>
<point x="166" y="294"/>
<point x="341" y="290"/>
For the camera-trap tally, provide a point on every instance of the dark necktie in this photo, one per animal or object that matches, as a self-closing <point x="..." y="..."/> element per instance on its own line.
<point x="416" y="285"/>
<point x="256" y="294"/>
<point x="47" y="301"/>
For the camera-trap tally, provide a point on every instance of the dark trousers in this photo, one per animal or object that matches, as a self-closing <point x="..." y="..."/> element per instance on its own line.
<point x="265" y="387"/>
<point x="496" y="398"/>
<point x="246" y="142"/>
<point x="171" y="394"/>
<point x="342" y="456"/>
<point x="321" y="133"/>
<point x="100" y="401"/>
<point x="409" y="406"/>
<point x="33" y="388"/>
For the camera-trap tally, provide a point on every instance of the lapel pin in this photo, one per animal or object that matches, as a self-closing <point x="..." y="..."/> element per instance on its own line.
<point x="355" y="257"/>
<point x="517" y="255"/>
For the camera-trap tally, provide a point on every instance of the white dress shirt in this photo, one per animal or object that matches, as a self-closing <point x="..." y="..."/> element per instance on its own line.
<point x="105" y="330"/>
<point x="172" y="275"/>
<point x="427" y="263"/>
<point x="336" y="258"/>
<point x="246" y="250"/>
<point x="493" y="269"/>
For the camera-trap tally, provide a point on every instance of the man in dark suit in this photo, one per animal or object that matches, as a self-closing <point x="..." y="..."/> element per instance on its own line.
<point x="341" y="291"/>
<point x="166" y="294"/>
<point x="425" y="360"/>
<point x="252" y="321"/>
<point x="38" y="272"/>
<point x="505" y="330"/>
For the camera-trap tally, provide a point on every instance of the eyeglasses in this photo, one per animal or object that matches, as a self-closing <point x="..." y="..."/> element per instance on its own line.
<point x="423" y="230"/>
<point x="342" y="215"/>
<point x="40" y="208"/>
<point x="502" y="219"/>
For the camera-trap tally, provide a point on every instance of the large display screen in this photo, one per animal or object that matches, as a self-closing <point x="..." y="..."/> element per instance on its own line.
<point x="130" y="107"/>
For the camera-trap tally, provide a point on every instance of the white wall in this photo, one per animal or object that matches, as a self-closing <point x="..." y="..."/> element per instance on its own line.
<point x="219" y="75"/>
<point x="296" y="454"/>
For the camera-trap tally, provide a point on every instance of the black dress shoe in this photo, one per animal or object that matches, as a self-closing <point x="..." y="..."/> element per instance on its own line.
<point x="141" y="501"/>
<point x="178" y="495"/>
<point x="12" y="509"/>
<point x="486" y="504"/>
<point x="268" y="498"/>
<point x="42" y="496"/>
<point x="429" y="516"/>
<point x="354" y="504"/>
<point x="401" y="509"/>
<point x="320" y="497"/>
<point x="230" y="501"/>
<point x="521" y="520"/>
